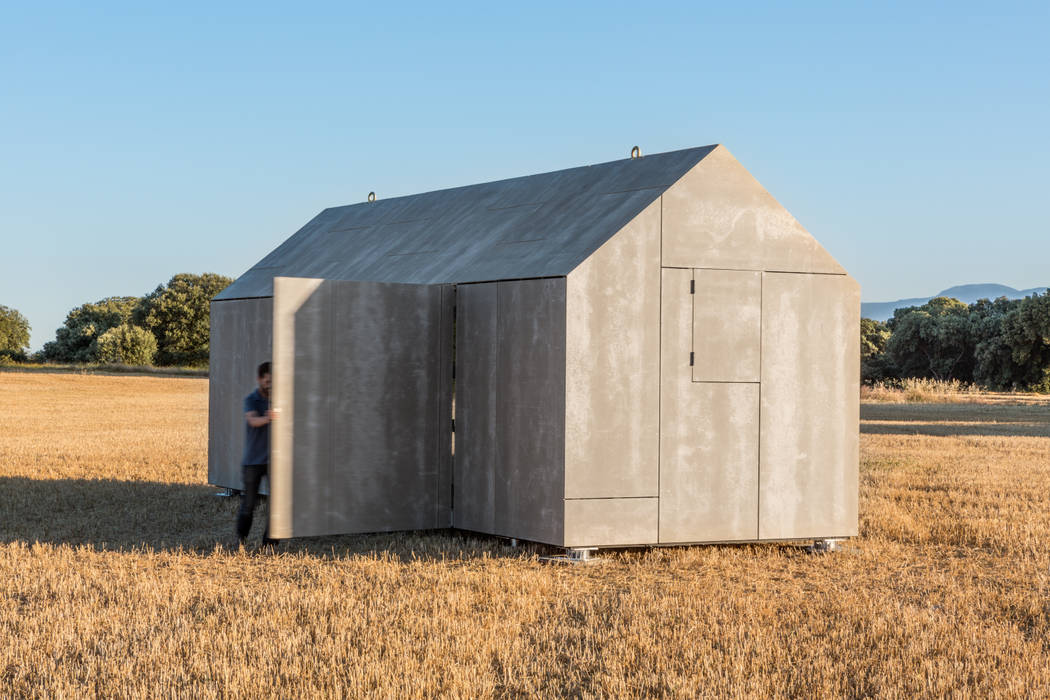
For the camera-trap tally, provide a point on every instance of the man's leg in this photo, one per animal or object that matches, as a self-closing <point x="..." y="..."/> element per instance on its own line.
<point x="266" y="533"/>
<point x="253" y="474"/>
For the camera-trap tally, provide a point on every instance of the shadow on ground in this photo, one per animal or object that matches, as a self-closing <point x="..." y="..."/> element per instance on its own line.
<point x="111" y="515"/>
<point x="951" y="420"/>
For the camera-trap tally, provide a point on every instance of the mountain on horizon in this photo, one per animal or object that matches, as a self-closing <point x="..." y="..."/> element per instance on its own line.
<point x="966" y="293"/>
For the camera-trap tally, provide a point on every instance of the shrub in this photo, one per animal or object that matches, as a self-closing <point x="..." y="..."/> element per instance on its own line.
<point x="14" y="332"/>
<point x="126" y="344"/>
<point x="77" y="339"/>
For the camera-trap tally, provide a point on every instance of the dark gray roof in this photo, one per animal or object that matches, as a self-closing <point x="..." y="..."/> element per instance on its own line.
<point x="535" y="226"/>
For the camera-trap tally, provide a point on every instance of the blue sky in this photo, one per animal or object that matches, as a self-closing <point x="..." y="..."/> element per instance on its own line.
<point x="139" y="140"/>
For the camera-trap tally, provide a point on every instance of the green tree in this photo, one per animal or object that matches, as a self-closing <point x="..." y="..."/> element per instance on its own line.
<point x="76" y="340"/>
<point x="874" y="364"/>
<point x="932" y="340"/>
<point x="994" y="366"/>
<point x="1027" y="332"/>
<point x="14" y="333"/>
<point x="126" y="345"/>
<point x="178" y="315"/>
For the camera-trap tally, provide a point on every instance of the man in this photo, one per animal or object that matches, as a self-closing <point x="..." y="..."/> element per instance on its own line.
<point x="256" y="463"/>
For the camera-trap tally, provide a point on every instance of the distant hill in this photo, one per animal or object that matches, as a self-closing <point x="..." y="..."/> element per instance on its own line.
<point x="966" y="293"/>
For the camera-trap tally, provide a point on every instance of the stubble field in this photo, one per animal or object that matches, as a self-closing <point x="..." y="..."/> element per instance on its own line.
<point x="118" y="579"/>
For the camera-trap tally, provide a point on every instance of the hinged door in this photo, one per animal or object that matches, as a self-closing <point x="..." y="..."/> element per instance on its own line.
<point x="362" y="381"/>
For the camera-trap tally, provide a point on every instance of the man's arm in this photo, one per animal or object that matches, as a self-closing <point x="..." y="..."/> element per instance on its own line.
<point x="257" y="421"/>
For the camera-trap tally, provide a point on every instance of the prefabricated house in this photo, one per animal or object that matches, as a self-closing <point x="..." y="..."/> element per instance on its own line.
<point x="644" y="352"/>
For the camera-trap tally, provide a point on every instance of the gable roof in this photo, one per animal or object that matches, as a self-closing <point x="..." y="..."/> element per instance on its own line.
<point x="534" y="226"/>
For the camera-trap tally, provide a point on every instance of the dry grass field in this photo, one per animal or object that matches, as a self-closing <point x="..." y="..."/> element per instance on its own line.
<point x="117" y="577"/>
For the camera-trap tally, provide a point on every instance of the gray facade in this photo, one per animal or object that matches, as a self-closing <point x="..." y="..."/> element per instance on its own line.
<point x="648" y="351"/>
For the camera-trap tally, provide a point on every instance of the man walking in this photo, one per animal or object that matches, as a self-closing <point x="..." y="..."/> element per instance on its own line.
<point x="256" y="463"/>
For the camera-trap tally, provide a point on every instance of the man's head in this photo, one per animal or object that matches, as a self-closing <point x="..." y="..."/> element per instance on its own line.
<point x="263" y="376"/>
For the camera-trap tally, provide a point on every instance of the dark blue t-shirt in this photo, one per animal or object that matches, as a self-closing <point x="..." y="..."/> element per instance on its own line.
<point x="256" y="440"/>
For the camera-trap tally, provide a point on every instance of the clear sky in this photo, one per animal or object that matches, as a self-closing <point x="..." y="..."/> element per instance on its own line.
<point x="138" y="140"/>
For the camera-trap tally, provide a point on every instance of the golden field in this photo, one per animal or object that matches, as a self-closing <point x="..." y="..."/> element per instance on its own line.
<point x="117" y="576"/>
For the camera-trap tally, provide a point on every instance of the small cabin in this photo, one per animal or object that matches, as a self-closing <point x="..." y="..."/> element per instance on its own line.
<point x="648" y="351"/>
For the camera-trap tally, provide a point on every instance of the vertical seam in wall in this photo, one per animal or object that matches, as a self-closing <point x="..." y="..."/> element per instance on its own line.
<point x="448" y="343"/>
<point x="692" y="324"/>
<point x="562" y="365"/>
<point x="761" y="343"/>
<point x="331" y="401"/>
<point x="565" y="403"/>
<point x="439" y="400"/>
<point x="660" y="374"/>
<point x="434" y="407"/>
<point x="496" y="412"/>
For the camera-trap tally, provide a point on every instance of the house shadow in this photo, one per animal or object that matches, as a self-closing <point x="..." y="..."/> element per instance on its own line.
<point x="955" y="420"/>
<point x="934" y="429"/>
<point x="113" y="515"/>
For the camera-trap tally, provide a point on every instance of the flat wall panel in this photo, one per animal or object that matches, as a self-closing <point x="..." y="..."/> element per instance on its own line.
<point x="810" y="406"/>
<point x="727" y="326"/>
<point x="366" y="442"/>
<point x="241" y="339"/>
<point x="299" y="454"/>
<point x="530" y="447"/>
<point x="718" y="216"/>
<point x="708" y="439"/>
<point x="477" y="364"/>
<point x="611" y="522"/>
<point x="613" y="366"/>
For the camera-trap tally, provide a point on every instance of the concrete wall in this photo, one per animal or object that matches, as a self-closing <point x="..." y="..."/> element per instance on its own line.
<point x="810" y="406"/>
<point x="612" y="413"/>
<point x="241" y="339"/>
<point x="759" y="437"/>
<point x="719" y="217"/>
<point x="510" y="409"/>
<point x="362" y="379"/>
<point x="709" y="430"/>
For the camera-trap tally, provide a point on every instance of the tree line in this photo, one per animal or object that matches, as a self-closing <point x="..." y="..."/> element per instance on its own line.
<point x="169" y="326"/>
<point x="1002" y="344"/>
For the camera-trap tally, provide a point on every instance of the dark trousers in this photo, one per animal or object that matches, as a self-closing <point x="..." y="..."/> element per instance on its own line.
<point x="253" y="474"/>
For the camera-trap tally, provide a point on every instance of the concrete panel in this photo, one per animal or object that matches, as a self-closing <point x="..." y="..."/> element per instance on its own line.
<point x="612" y="360"/>
<point x="530" y="447"/>
<point x="810" y="406"/>
<point x="299" y="456"/>
<point x="708" y="441"/>
<point x="366" y="395"/>
<point x="387" y="437"/>
<point x="727" y="326"/>
<point x="241" y="339"/>
<point x="477" y="365"/>
<point x="718" y="216"/>
<point x="611" y="522"/>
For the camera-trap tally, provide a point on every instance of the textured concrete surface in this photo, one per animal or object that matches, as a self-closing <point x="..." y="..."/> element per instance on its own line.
<point x="298" y="349"/>
<point x="709" y="438"/>
<point x="510" y="394"/>
<point x="365" y="432"/>
<point x="475" y="471"/>
<point x="611" y="522"/>
<point x="241" y="339"/>
<point x="530" y="451"/>
<point x="612" y="412"/>
<point x="810" y="406"/>
<point x="727" y="326"/>
<point x="718" y="216"/>
<point x="536" y="226"/>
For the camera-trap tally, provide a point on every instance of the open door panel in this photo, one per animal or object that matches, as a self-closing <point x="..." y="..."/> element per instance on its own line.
<point x="362" y="381"/>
